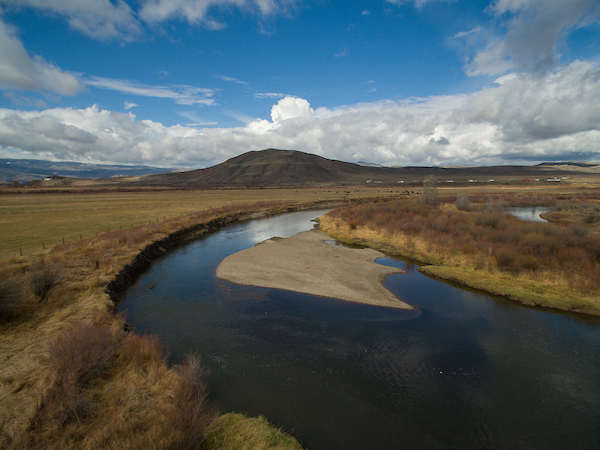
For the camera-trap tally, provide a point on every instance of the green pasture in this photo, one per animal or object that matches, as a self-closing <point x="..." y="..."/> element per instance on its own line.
<point x="32" y="220"/>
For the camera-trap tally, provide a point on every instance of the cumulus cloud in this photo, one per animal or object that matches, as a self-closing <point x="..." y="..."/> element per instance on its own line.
<point x="534" y="28"/>
<point x="291" y="108"/>
<point x="523" y="118"/>
<point x="180" y="94"/>
<point x="19" y="70"/>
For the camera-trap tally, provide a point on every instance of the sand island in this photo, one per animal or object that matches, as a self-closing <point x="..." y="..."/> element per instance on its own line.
<point x="307" y="263"/>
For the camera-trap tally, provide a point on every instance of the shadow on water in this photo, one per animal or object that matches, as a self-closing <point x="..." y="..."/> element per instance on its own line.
<point x="463" y="371"/>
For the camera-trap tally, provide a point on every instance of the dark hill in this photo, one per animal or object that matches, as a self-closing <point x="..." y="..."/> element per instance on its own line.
<point x="269" y="168"/>
<point x="273" y="167"/>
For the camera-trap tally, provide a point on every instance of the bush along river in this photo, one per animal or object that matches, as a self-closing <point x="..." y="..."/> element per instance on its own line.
<point x="464" y="371"/>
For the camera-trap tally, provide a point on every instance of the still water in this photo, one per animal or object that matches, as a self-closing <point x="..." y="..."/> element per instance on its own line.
<point x="530" y="214"/>
<point x="464" y="371"/>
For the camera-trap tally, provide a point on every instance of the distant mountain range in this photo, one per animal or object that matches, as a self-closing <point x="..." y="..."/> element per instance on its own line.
<point x="274" y="167"/>
<point x="24" y="170"/>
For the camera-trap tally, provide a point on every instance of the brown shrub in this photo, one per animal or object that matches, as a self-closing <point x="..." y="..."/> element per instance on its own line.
<point x="144" y="351"/>
<point x="77" y="358"/>
<point x="491" y="219"/>
<point x="43" y="278"/>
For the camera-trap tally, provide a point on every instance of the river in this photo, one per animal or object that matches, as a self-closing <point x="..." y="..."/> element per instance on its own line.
<point x="464" y="371"/>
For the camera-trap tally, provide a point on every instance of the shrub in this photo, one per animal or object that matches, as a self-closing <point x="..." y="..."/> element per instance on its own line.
<point x="11" y="299"/>
<point x="491" y="219"/>
<point x="77" y="358"/>
<point x="42" y="279"/>
<point x="353" y="224"/>
<point x="144" y="351"/>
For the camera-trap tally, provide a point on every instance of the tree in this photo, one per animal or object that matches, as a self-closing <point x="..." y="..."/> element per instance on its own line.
<point x="429" y="192"/>
<point x="462" y="202"/>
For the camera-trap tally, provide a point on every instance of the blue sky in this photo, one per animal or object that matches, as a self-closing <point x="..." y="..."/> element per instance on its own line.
<point x="191" y="83"/>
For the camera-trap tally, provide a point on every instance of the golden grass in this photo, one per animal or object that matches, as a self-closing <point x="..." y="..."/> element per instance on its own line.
<point x="548" y="287"/>
<point x="238" y="432"/>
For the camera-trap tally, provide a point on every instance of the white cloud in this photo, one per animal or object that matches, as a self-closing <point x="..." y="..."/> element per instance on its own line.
<point x="342" y="53"/>
<point x="195" y="120"/>
<point x="100" y="19"/>
<point x="115" y="19"/>
<point x="291" y="108"/>
<point x="534" y="28"/>
<point x="196" y="11"/>
<point x="553" y="116"/>
<point x="180" y="94"/>
<point x="129" y="105"/>
<point x="19" y="70"/>
<point x="233" y="80"/>
<point x="268" y="95"/>
<point x="417" y="3"/>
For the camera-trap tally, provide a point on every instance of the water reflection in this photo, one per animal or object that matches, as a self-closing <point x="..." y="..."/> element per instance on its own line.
<point x="464" y="371"/>
<point x="529" y="214"/>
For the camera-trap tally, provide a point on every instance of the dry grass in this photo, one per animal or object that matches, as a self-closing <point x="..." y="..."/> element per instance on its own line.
<point x="238" y="432"/>
<point x="535" y="263"/>
<point x="70" y="376"/>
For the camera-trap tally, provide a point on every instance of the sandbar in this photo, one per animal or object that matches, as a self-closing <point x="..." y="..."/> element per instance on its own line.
<point x="307" y="263"/>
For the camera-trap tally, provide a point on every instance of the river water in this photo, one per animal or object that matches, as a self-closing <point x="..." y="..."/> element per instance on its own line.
<point x="464" y="371"/>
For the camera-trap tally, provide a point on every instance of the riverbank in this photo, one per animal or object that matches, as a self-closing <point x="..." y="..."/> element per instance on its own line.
<point x="72" y="377"/>
<point x="451" y="245"/>
<point x="306" y="263"/>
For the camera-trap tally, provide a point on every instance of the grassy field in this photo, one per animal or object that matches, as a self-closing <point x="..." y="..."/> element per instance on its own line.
<point x="31" y="220"/>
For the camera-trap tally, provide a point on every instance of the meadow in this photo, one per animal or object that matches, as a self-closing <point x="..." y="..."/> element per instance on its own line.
<point x="33" y="219"/>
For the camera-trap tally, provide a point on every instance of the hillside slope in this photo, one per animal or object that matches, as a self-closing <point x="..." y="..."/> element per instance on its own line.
<point x="273" y="167"/>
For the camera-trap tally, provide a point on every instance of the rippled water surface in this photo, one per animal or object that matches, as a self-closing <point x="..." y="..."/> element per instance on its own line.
<point x="463" y="371"/>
